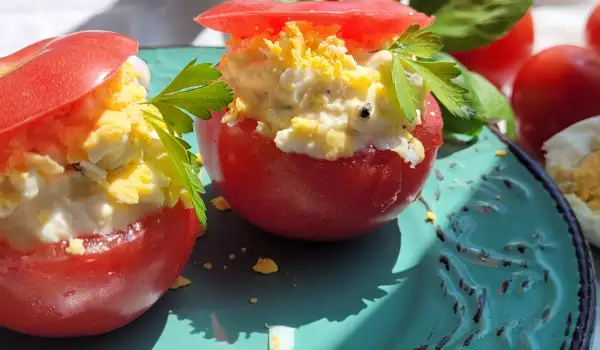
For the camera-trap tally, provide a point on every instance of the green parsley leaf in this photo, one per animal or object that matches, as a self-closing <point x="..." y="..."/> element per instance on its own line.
<point x="405" y="92"/>
<point x="187" y="169"/>
<point x="487" y="100"/>
<point x="413" y="52"/>
<point x="438" y="77"/>
<point x="193" y="93"/>
<point x="417" y="42"/>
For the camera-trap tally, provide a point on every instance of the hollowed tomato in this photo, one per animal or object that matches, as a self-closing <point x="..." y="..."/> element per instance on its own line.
<point x="296" y="196"/>
<point x="46" y="291"/>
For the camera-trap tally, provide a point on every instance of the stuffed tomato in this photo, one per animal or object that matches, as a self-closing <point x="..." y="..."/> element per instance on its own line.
<point x="94" y="226"/>
<point x="315" y="145"/>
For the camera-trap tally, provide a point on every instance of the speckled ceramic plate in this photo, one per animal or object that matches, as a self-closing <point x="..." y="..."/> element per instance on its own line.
<point x="503" y="267"/>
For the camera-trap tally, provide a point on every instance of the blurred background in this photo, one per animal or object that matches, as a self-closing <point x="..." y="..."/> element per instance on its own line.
<point x="169" y="22"/>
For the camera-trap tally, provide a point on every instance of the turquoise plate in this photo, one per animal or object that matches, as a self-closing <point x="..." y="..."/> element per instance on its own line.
<point x="504" y="266"/>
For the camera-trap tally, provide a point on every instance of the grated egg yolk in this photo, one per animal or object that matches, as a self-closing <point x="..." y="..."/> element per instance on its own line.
<point x="265" y="266"/>
<point x="583" y="181"/>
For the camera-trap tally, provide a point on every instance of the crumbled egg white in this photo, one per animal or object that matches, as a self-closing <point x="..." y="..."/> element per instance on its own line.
<point x="312" y="96"/>
<point x="95" y="167"/>
<point x="573" y="161"/>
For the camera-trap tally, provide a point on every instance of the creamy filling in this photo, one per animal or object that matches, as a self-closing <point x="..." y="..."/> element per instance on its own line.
<point x="311" y="96"/>
<point x="93" y="169"/>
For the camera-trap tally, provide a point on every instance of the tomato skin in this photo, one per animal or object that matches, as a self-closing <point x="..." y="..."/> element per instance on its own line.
<point x="500" y="60"/>
<point x="50" y="293"/>
<point x="554" y="89"/>
<point x="592" y="29"/>
<point x="48" y="75"/>
<point x="296" y="196"/>
<point x="359" y="20"/>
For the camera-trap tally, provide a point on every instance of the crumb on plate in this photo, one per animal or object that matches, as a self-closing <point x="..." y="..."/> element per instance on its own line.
<point x="498" y="197"/>
<point x="500" y="153"/>
<point x="431" y="216"/>
<point x="180" y="282"/>
<point x="265" y="266"/>
<point x="207" y="266"/>
<point x="243" y="249"/>
<point x="220" y="203"/>
<point x="253" y="300"/>
<point x="231" y="256"/>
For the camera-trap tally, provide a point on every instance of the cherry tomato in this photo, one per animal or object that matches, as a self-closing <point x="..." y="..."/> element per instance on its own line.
<point x="500" y="60"/>
<point x="45" y="291"/>
<point x="62" y="70"/>
<point x="48" y="292"/>
<point x="554" y="89"/>
<point x="296" y="196"/>
<point x="364" y="21"/>
<point x="592" y="29"/>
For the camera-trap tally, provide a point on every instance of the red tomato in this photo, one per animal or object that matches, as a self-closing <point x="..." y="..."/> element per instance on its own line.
<point x="360" y="20"/>
<point x="46" y="291"/>
<point x="554" y="89"/>
<point x="51" y="293"/>
<point x="296" y="196"/>
<point x="500" y="60"/>
<point x="592" y="29"/>
<point x="62" y="70"/>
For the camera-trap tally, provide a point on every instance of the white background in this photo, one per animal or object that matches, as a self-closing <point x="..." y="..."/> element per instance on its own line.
<point x="169" y="22"/>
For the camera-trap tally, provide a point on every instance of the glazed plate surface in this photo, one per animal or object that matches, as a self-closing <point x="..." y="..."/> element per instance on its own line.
<point x="504" y="266"/>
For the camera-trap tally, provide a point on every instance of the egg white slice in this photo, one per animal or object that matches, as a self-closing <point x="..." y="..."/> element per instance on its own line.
<point x="281" y="338"/>
<point x="564" y="152"/>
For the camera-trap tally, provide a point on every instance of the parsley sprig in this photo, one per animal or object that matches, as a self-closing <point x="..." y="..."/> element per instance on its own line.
<point x="193" y="93"/>
<point x="413" y="52"/>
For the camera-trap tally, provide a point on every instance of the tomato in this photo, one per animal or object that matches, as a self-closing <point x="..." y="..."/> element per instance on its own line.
<point x="62" y="70"/>
<point x="296" y="196"/>
<point x="364" y="21"/>
<point x="500" y="60"/>
<point x="554" y="89"/>
<point x="51" y="293"/>
<point x="46" y="291"/>
<point x="592" y="29"/>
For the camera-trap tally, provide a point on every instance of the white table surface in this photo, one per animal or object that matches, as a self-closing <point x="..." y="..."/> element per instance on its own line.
<point x="169" y="22"/>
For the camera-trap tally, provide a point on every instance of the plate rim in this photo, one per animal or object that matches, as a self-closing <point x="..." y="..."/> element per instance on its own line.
<point x="582" y="335"/>
<point x="584" y="328"/>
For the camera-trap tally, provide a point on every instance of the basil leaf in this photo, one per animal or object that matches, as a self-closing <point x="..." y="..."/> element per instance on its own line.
<point x="468" y="24"/>
<point x="428" y="7"/>
<point x="492" y="104"/>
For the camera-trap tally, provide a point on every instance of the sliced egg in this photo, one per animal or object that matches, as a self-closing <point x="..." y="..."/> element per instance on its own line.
<point x="573" y="161"/>
<point x="281" y="338"/>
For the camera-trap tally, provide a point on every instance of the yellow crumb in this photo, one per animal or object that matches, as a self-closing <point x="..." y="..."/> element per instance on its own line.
<point x="431" y="216"/>
<point x="500" y="153"/>
<point x="220" y="203"/>
<point x="243" y="249"/>
<point x="207" y="266"/>
<point x="253" y="300"/>
<point x="76" y="247"/>
<point x="199" y="159"/>
<point x="180" y="282"/>
<point x="265" y="266"/>
<point x="231" y="256"/>
<point x="498" y="196"/>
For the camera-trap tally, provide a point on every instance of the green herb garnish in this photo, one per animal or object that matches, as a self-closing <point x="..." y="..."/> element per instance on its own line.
<point x="413" y="52"/>
<point x="193" y="93"/>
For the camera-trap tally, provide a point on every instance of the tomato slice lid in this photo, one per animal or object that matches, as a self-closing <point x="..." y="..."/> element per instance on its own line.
<point x="43" y="77"/>
<point x="359" y="19"/>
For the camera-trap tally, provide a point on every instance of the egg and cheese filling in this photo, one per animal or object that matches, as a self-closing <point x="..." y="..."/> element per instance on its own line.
<point x="313" y="95"/>
<point x="90" y="169"/>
